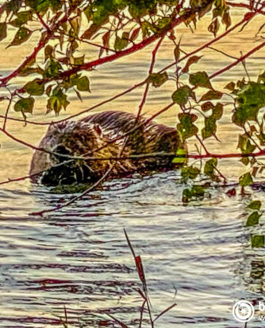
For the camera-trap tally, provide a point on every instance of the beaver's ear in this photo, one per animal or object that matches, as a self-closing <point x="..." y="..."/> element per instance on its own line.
<point x="51" y="127"/>
<point x="97" y="129"/>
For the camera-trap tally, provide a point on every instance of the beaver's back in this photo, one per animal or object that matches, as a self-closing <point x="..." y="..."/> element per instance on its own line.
<point x="122" y="122"/>
<point x="144" y="136"/>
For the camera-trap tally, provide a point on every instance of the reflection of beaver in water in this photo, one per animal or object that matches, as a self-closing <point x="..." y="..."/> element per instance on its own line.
<point x="87" y="137"/>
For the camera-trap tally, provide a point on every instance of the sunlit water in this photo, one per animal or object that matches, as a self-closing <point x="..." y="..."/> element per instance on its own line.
<point x="197" y="255"/>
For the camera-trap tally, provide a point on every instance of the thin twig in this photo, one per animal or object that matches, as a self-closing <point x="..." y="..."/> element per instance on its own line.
<point x="117" y="320"/>
<point x="148" y="83"/>
<point x="6" y="113"/>
<point x="165" y="311"/>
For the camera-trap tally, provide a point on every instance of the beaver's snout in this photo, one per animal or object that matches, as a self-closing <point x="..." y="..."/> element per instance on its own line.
<point x="65" y="169"/>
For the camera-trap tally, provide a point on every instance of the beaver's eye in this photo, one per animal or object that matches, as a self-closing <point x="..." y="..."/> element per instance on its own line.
<point x="61" y="150"/>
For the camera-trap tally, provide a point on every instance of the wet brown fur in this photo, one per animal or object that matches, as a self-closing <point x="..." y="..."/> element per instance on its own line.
<point x="87" y="137"/>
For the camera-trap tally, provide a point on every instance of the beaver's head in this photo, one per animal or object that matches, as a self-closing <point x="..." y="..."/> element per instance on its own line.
<point x="66" y="144"/>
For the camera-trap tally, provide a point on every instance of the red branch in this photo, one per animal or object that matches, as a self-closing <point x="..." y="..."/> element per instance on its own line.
<point x="122" y="53"/>
<point x="240" y="59"/>
<point x="231" y="155"/>
<point x="243" y="5"/>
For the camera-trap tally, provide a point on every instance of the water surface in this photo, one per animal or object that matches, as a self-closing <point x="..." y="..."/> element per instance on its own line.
<point x="197" y="255"/>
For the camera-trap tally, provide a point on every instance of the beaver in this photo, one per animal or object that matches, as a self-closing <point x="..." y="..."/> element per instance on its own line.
<point x="102" y="136"/>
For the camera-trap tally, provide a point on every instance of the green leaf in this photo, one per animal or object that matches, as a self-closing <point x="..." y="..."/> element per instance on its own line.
<point x="245" y="144"/>
<point x="196" y="192"/>
<point x="83" y="84"/>
<point x="100" y="10"/>
<point x="30" y="70"/>
<point x="189" y="172"/>
<point x="257" y="241"/>
<point x="52" y="69"/>
<point x="35" y="87"/>
<point x="157" y="79"/>
<point x="181" y="95"/>
<point x="22" y="18"/>
<point x="226" y="19"/>
<point x="250" y="99"/>
<point x="54" y="105"/>
<point x="253" y="219"/>
<point x="191" y="60"/>
<point x="186" y="195"/>
<point x="55" y="5"/>
<point x="207" y="106"/>
<point x="186" y="128"/>
<point x="79" y="60"/>
<point x="218" y="111"/>
<point x="163" y="24"/>
<point x="214" y="27"/>
<point x="147" y="29"/>
<point x="209" y="167"/>
<point x="244" y="114"/>
<point x="120" y="43"/>
<point x="230" y="86"/>
<point x="210" y="127"/>
<point x="48" y="52"/>
<point x="22" y="35"/>
<point x="25" y="105"/>
<point x="245" y="160"/>
<point x="255" y="205"/>
<point x="75" y="24"/>
<point x="245" y="180"/>
<point x="141" y="8"/>
<point x="71" y="81"/>
<point x="200" y="79"/>
<point x="182" y="156"/>
<point x="57" y="101"/>
<point x="12" y="6"/>
<point x="43" y="5"/>
<point x="3" y="31"/>
<point x="211" y="95"/>
<point x="90" y="31"/>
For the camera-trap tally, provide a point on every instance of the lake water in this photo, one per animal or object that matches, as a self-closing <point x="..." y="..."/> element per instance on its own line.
<point x="198" y="255"/>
